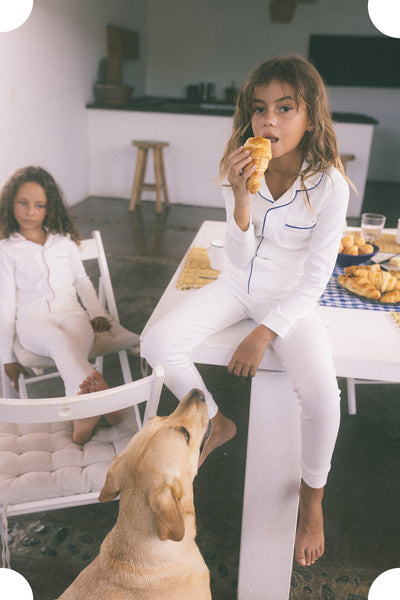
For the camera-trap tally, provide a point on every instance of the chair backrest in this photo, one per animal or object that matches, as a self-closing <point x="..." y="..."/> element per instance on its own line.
<point x="41" y="468"/>
<point x="92" y="248"/>
<point x="67" y="408"/>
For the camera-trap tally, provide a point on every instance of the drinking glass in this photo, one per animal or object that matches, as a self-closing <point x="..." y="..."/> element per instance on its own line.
<point x="372" y="226"/>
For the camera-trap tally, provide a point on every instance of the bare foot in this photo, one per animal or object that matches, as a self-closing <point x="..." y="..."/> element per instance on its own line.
<point x="223" y="430"/>
<point x="93" y="383"/>
<point x="310" y="543"/>
<point x="83" y="428"/>
<point x="114" y="418"/>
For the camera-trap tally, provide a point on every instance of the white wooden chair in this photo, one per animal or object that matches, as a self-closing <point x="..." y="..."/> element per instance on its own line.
<point x="117" y="340"/>
<point x="41" y="468"/>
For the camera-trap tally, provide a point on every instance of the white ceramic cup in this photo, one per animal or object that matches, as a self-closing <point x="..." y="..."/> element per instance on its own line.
<point x="372" y="226"/>
<point x="216" y="254"/>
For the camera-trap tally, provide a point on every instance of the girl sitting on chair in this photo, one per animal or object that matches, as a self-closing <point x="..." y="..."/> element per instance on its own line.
<point x="41" y="273"/>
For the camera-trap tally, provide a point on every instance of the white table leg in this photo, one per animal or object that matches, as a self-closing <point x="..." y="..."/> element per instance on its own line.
<point x="271" y="490"/>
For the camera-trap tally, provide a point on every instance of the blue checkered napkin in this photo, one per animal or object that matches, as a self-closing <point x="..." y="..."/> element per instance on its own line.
<point x="335" y="295"/>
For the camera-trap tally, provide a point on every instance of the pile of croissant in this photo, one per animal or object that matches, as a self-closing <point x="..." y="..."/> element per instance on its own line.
<point x="354" y="245"/>
<point x="372" y="282"/>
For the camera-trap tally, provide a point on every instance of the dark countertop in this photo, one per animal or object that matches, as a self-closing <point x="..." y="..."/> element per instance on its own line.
<point x="171" y="105"/>
<point x="165" y="104"/>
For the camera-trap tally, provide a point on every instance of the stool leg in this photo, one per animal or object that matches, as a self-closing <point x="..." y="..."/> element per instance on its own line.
<point x="139" y="177"/>
<point x="157" y="173"/>
<point x="164" y="182"/>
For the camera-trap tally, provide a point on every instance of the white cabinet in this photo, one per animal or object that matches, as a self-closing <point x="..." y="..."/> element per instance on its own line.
<point x="192" y="159"/>
<point x="356" y="139"/>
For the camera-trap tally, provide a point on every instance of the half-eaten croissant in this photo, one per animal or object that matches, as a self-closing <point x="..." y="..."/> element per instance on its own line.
<point x="260" y="150"/>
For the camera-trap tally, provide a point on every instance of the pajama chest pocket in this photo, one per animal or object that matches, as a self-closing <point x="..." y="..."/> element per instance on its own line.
<point x="297" y="234"/>
<point x="60" y="269"/>
<point x="62" y="259"/>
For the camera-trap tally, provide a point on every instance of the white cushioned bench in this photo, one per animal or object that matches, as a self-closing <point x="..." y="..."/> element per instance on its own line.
<point x="39" y="461"/>
<point x="41" y="468"/>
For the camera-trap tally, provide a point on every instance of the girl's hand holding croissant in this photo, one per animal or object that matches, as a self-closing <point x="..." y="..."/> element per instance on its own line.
<point x="237" y="178"/>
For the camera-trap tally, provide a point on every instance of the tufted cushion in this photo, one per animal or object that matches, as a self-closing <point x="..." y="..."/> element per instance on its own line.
<point x="106" y="342"/>
<point x="118" y="338"/>
<point x="40" y="461"/>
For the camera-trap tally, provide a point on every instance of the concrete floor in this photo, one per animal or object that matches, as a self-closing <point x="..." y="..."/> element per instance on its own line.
<point x="361" y="502"/>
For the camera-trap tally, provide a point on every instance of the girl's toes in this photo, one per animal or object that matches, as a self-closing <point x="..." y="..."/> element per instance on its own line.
<point x="301" y="560"/>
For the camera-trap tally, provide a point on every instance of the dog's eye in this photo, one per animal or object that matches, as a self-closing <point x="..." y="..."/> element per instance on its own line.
<point x="186" y="434"/>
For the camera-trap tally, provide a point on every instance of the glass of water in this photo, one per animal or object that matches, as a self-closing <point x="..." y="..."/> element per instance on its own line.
<point x="372" y="226"/>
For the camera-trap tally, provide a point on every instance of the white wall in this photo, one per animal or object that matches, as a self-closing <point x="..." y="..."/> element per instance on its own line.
<point x="220" y="41"/>
<point x="48" y="67"/>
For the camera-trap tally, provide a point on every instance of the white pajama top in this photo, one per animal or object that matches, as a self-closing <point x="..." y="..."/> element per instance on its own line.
<point x="41" y="280"/>
<point x="289" y="250"/>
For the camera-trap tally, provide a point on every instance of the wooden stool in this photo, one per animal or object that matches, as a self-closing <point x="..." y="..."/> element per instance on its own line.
<point x="160" y="184"/>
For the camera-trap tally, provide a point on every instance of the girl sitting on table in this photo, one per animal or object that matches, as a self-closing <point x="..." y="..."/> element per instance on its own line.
<point x="282" y="244"/>
<point x="40" y="274"/>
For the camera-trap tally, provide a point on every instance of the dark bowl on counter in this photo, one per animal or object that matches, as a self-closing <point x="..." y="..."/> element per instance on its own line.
<point x="348" y="260"/>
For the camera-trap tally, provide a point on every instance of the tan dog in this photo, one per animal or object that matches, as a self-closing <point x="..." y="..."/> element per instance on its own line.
<point x="151" y="554"/>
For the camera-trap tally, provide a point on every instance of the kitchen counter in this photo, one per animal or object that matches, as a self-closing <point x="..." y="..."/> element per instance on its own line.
<point x="197" y="134"/>
<point x="166" y="104"/>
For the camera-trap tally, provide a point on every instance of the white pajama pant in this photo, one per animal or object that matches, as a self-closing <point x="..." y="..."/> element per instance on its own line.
<point x="305" y="353"/>
<point x="66" y="337"/>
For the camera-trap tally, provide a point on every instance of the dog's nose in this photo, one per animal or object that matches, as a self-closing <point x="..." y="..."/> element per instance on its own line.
<point x="196" y="392"/>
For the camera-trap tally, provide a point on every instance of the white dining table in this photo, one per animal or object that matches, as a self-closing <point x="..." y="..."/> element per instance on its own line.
<point x="366" y="345"/>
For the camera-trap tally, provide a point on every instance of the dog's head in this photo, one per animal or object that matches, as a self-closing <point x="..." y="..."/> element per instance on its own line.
<point x="160" y="462"/>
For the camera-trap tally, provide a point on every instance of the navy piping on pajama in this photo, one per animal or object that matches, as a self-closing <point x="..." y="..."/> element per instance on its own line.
<point x="286" y="225"/>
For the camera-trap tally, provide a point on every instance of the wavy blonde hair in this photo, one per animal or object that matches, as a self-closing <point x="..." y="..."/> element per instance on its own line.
<point x="318" y="146"/>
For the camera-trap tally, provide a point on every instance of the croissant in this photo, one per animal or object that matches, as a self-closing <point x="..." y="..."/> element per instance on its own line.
<point x="365" y="249"/>
<point x="391" y="297"/>
<point x="383" y="281"/>
<point x="360" y="286"/>
<point x="347" y="241"/>
<point x="359" y="241"/>
<point x="358" y="270"/>
<point x="350" y="250"/>
<point x="395" y="274"/>
<point x="260" y="149"/>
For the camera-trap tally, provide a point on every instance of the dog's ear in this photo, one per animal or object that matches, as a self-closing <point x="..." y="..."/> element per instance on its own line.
<point x="112" y="486"/>
<point x="165" y="504"/>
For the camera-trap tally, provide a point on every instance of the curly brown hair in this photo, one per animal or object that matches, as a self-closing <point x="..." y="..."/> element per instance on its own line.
<point x="57" y="220"/>
<point x="319" y="146"/>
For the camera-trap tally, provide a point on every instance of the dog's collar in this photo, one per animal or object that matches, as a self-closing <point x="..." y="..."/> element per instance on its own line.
<point x="206" y="435"/>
